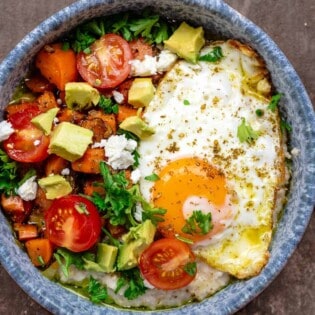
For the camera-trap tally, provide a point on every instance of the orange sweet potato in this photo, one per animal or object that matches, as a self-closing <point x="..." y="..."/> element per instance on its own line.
<point x="89" y="162"/>
<point x="58" y="66"/>
<point x="39" y="250"/>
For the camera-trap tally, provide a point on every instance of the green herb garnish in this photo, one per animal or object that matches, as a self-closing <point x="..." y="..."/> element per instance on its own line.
<point x="198" y="223"/>
<point x="186" y="102"/>
<point x="65" y="259"/>
<point x="81" y="208"/>
<point x="213" y="56"/>
<point x="191" y="268"/>
<point x="245" y="132"/>
<point x="152" y="178"/>
<point x="8" y="174"/>
<point x="120" y="202"/>
<point x="259" y="112"/>
<point x="274" y="102"/>
<point x="41" y="260"/>
<point x="133" y="282"/>
<point x="96" y="292"/>
<point x="285" y="126"/>
<point x="108" y="105"/>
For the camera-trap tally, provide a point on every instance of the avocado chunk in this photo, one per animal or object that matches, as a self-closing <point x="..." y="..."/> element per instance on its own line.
<point x="45" y="120"/>
<point x="141" y="92"/>
<point x="106" y="256"/>
<point x="81" y="95"/>
<point x="186" y="42"/>
<point x="137" y="126"/>
<point x="136" y="241"/>
<point x="55" y="186"/>
<point x="70" y="141"/>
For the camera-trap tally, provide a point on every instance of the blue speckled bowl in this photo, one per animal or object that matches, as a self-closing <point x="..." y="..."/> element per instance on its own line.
<point x="221" y="19"/>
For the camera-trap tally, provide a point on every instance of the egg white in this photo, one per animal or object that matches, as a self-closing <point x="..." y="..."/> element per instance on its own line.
<point x="196" y="111"/>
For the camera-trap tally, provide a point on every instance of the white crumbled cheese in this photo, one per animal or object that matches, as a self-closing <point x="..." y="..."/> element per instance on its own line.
<point x="28" y="190"/>
<point x="118" y="97"/>
<point x="65" y="171"/>
<point x="152" y="65"/>
<point x="138" y="212"/>
<point x="100" y="144"/>
<point x="6" y="130"/>
<point x="165" y="60"/>
<point x="36" y="142"/>
<point x="118" y="150"/>
<point x="135" y="176"/>
<point x="56" y="121"/>
<point x="143" y="68"/>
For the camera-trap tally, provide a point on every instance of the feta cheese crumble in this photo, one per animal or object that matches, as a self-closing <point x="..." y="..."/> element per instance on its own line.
<point x="118" y="97"/>
<point x="152" y="65"/>
<point x="135" y="176"/>
<point x="118" y="150"/>
<point x="6" y="130"/>
<point x="65" y="171"/>
<point x="28" y="190"/>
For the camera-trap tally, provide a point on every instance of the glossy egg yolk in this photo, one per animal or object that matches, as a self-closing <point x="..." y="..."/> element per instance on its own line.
<point x="187" y="185"/>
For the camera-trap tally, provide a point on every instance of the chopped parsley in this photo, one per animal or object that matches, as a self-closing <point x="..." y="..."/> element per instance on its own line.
<point x="149" y="26"/>
<point x="108" y="105"/>
<point x="213" y="56"/>
<point x="259" y="112"/>
<point x="186" y="102"/>
<point x="81" y="208"/>
<point x="41" y="260"/>
<point x="198" y="223"/>
<point x="8" y="174"/>
<point x="132" y="280"/>
<point x="285" y="126"/>
<point x="96" y="292"/>
<point x="246" y="133"/>
<point x="152" y="178"/>
<point x="274" y="102"/>
<point x="66" y="258"/>
<point x="120" y="202"/>
<point x="191" y="268"/>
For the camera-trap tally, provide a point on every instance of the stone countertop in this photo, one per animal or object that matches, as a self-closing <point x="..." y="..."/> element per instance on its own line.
<point x="291" y="24"/>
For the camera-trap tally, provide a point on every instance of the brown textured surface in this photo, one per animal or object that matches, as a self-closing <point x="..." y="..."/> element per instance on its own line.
<point x="291" y="23"/>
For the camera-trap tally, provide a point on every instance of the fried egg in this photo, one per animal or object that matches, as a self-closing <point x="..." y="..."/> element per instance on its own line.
<point x="202" y="164"/>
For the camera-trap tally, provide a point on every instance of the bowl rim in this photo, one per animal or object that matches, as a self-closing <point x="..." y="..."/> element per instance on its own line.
<point x="254" y="286"/>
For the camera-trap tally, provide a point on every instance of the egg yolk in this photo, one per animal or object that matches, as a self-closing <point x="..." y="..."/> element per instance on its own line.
<point x="187" y="185"/>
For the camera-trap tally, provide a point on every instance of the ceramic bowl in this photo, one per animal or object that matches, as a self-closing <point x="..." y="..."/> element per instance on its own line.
<point x="223" y="21"/>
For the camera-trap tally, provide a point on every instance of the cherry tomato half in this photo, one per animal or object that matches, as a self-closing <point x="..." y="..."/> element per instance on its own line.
<point x="107" y="64"/>
<point x="164" y="264"/>
<point x="73" y="222"/>
<point x="28" y="143"/>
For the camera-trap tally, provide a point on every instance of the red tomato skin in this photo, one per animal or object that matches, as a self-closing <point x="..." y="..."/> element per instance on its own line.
<point x="20" y="146"/>
<point x="108" y="63"/>
<point x="156" y="269"/>
<point x="67" y="227"/>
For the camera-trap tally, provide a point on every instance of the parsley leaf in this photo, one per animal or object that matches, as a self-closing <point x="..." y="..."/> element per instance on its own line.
<point x="191" y="268"/>
<point x="213" y="56"/>
<point x="96" y="292"/>
<point x="285" y="126"/>
<point x="246" y="133"/>
<point x="8" y="174"/>
<point x="65" y="259"/>
<point x="120" y="202"/>
<point x="108" y="105"/>
<point x="274" y="102"/>
<point x="186" y="102"/>
<point x="153" y="177"/>
<point x="198" y="223"/>
<point x="134" y="282"/>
